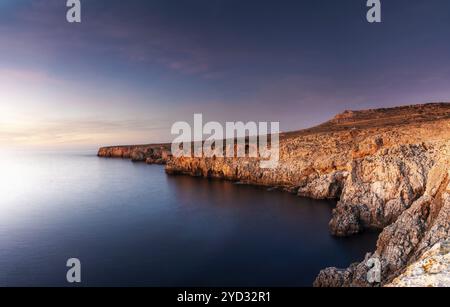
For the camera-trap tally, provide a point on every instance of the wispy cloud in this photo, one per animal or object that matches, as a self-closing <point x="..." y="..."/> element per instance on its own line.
<point x="75" y="131"/>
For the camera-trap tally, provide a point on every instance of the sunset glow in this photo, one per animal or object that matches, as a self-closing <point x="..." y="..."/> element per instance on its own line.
<point x="125" y="76"/>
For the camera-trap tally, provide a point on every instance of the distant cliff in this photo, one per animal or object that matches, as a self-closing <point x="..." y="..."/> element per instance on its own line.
<point x="151" y="154"/>
<point x="389" y="169"/>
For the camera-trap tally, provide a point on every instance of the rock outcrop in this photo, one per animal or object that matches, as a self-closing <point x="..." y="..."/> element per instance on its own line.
<point x="388" y="169"/>
<point x="431" y="270"/>
<point x="418" y="228"/>
<point x="151" y="154"/>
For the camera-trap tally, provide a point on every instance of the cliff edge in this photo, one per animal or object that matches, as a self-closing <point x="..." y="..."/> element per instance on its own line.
<point x="388" y="169"/>
<point x="151" y="154"/>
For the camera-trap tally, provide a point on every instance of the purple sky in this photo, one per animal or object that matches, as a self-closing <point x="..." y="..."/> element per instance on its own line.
<point x="132" y="68"/>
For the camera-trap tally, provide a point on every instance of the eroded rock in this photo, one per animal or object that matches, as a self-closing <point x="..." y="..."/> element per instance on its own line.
<point x="388" y="168"/>
<point x="431" y="270"/>
<point x="151" y="154"/>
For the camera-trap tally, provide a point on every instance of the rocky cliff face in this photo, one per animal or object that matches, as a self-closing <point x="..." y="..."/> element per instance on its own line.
<point x="420" y="226"/>
<point x="151" y="154"/>
<point x="431" y="270"/>
<point x="388" y="169"/>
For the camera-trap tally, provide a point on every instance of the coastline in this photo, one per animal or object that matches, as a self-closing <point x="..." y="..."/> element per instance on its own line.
<point x="388" y="169"/>
<point x="151" y="154"/>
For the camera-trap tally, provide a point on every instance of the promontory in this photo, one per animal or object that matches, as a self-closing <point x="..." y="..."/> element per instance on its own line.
<point x="388" y="169"/>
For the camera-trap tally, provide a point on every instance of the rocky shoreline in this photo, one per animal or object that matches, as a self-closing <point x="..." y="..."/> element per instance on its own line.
<point x="388" y="169"/>
<point x="151" y="154"/>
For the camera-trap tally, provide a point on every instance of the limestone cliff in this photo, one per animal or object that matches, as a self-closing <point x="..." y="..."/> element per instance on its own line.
<point x="419" y="227"/>
<point x="388" y="169"/>
<point x="151" y="154"/>
<point x="431" y="270"/>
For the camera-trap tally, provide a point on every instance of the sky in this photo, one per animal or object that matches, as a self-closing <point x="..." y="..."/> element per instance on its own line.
<point x="132" y="68"/>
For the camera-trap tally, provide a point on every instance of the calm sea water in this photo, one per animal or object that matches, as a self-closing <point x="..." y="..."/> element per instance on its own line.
<point x="131" y="225"/>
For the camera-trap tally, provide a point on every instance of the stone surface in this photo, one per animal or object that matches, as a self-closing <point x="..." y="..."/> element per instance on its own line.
<point x="431" y="270"/>
<point x="418" y="228"/>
